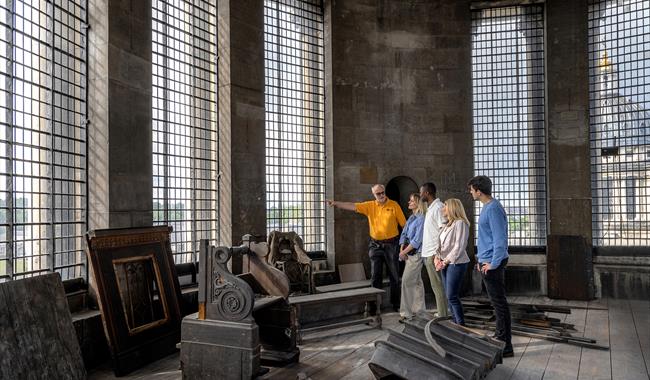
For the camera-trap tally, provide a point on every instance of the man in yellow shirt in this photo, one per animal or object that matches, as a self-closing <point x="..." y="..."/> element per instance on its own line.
<point x="384" y="217"/>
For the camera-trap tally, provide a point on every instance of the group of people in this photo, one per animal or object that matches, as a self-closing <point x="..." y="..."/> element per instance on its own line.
<point x="436" y="236"/>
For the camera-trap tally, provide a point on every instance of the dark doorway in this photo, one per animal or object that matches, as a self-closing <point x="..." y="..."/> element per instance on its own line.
<point x="399" y="189"/>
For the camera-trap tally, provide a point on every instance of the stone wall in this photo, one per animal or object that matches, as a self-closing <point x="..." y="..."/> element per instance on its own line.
<point x="399" y="84"/>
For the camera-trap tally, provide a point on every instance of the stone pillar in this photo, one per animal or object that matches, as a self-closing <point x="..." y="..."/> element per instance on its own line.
<point x="567" y="115"/>
<point x="568" y="171"/>
<point x="119" y="112"/>
<point x="242" y="208"/>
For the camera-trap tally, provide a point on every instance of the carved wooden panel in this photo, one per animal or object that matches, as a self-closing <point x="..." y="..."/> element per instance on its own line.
<point x="138" y="293"/>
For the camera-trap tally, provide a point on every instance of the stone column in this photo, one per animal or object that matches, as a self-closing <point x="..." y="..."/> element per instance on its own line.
<point x="119" y="112"/>
<point x="567" y="115"/>
<point x="570" y="269"/>
<point x="241" y="120"/>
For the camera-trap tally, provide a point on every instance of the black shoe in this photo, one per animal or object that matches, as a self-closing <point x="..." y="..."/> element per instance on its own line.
<point x="508" y="353"/>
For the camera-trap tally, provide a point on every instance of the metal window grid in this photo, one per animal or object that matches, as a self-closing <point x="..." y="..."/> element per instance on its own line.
<point x="185" y="122"/>
<point x="508" y="116"/>
<point x="42" y="138"/>
<point x="619" y="119"/>
<point x="295" y="131"/>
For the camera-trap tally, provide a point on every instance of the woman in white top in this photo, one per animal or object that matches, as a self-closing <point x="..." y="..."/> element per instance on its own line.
<point x="452" y="258"/>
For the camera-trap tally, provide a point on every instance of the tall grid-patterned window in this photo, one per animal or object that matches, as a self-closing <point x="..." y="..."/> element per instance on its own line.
<point x="508" y="115"/>
<point x="185" y="154"/>
<point x="295" y="131"/>
<point x="42" y="138"/>
<point x="619" y="119"/>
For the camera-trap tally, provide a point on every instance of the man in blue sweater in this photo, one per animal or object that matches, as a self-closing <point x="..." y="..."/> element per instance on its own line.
<point x="492" y="255"/>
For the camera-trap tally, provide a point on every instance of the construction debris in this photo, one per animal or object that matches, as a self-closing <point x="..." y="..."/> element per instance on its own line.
<point x="528" y="320"/>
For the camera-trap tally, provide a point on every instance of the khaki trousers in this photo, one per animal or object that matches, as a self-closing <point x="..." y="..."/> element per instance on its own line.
<point x="436" y="284"/>
<point x="412" y="288"/>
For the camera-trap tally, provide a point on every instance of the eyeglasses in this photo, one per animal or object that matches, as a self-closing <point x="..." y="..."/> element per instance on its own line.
<point x="380" y="193"/>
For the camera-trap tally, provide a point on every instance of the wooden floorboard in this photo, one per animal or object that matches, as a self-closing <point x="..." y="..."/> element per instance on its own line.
<point x="641" y="313"/>
<point x="533" y="360"/>
<point x="596" y="364"/>
<point x="506" y="369"/>
<point x="344" y="353"/>
<point x="360" y="373"/>
<point x="326" y="357"/>
<point x="339" y="353"/>
<point x="624" y="342"/>
<point x="598" y="303"/>
<point x="564" y="362"/>
<point x="577" y="304"/>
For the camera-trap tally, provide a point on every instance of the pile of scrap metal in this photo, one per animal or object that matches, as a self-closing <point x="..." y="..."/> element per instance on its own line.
<point x="242" y="320"/>
<point x="528" y="320"/>
<point x="435" y="348"/>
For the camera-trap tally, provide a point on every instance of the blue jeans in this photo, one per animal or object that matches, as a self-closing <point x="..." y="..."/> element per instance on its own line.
<point x="495" y="285"/>
<point x="452" y="277"/>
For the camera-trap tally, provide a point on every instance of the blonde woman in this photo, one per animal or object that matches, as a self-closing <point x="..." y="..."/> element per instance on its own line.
<point x="452" y="258"/>
<point x="410" y="245"/>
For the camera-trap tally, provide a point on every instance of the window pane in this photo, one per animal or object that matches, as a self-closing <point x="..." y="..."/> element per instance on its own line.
<point x="295" y="131"/>
<point x="185" y="154"/>
<point x="42" y="138"/>
<point x="619" y="119"/>
<point x="508" y="115"/>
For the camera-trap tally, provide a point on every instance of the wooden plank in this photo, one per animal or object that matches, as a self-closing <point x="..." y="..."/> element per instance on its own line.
<point x="516" y="299"/>
<point x="506" y="369"/>
<point x="343" y="286"/>
<point x="534" y="359"/>
<point x="578" y="303"/>
<point x="362" y="372"/>
<point x="316" y="344"/>
<point x="559" y="302"/>
<point x="578" y="318"/>
<point x="331" y="351"/>
<point x="564" y="362"/>
<point x="350" y="294"/>
<point x="598" y="303"/>
<point x="164" y="369"/>
<point x="627" y="357"/>
<point x="641" y="314"/>
<point x="532" y="364"/>
<point x="359" y="357"/>
<point x="596" y="364"/>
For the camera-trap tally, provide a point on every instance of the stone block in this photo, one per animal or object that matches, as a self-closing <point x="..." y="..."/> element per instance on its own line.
<point x="36" y="331"/>
<point x="219" y="349"/>
<point x="129" y="23"/>
<point x="570" y="216"/>
<point x="130" y="69"/>
<point x="368" y="175"/>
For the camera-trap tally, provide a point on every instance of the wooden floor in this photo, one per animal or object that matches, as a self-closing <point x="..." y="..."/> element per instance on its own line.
<point x="344" y="353"/>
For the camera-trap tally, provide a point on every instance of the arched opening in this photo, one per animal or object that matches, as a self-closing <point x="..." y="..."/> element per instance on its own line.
<point x="399" y="189"/>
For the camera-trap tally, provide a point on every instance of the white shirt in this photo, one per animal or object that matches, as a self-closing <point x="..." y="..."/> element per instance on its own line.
<point x="433" y="222"/>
